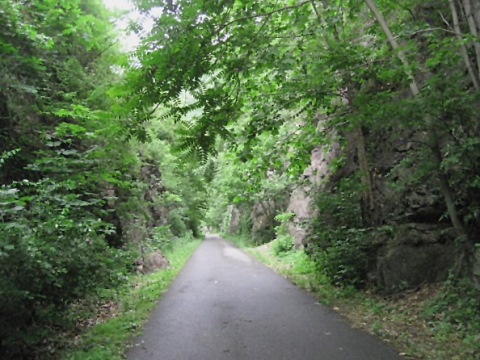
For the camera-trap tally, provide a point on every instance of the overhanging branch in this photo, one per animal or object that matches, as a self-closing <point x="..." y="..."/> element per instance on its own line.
<point x="268" y="13"/>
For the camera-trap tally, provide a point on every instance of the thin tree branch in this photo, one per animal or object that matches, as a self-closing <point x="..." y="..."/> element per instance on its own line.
<point x="467" y="5"/>
<point x="393" y="42"/>
<point x="476" y="13"/>
<point x="314" y="6"/>
<point x="322" y="21"/>
<point x="445" y="21"/>
<point x="463" y="49"/>
<point x="269" y="13"/>
<point x="432" y="29"/>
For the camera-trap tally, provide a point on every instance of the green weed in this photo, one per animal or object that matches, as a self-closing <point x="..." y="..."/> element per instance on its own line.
<point x="282" y="245"/>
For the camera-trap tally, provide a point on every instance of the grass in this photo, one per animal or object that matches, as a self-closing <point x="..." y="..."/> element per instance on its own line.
<point x="110" y="338"/>
<point x="241" y="241"/>
<point x="416" y="323"/>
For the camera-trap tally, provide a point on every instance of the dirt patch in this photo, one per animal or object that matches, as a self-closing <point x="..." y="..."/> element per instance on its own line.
<point x="102" y="312"/>
<point x="396" y="319"/>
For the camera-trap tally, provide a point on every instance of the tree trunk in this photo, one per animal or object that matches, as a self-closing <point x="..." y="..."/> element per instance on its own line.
<point x="445" y="187"/>
<point x="391" y="39"/>
<point x="372" y="213"/>
<point x="467" y="5"/>
<point x="476" y="13"/>
<point x="266" y="211"/>
<point x="463" y="48"/>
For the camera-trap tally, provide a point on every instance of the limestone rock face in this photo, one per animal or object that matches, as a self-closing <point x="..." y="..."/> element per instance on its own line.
<point x="315" y="177"/>
<point x="417" y="254"/>
<point x="235" y="216"/>
<point x="158" y="214"/>
<point x="406" y="266"/>
<point x="137" y="226"/>
<point x="300" y="205"/>
<point x="422" y="248"/>
<point x="263" y="222"/>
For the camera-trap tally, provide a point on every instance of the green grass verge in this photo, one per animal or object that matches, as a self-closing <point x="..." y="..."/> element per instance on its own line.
<point x="241" y="241"/>
<point x="429" y="323"/>
<point x="109" y="340"/>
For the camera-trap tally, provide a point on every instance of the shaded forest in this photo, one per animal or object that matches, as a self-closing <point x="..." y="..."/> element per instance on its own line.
<point x="345" y="129"/>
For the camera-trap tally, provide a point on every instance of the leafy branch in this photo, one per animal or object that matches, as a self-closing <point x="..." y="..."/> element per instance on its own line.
<point x="268" y="14"/>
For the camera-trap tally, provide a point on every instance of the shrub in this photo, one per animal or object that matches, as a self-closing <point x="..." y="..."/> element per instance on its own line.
<point x="283" y="242"/>
<point x="177" y="223"/>
<point x="53" y="247"/>
<point x="338" y="242"/>
<point x="282" y="245"/>
<point x="162" y="238"/>
<point x="344" y="261"/>
<point x="52" y="252"/>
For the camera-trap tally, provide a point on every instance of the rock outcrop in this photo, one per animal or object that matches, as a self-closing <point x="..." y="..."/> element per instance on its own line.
<point x="151" y="212"/>
<point x="234" y="219"/>
<point x="315" y="178"/>
<point x="422" y="248"/>
<point x="413" y="255"/>
<point x="263" y="221"/>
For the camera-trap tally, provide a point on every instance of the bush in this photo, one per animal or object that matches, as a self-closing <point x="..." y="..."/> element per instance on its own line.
<point x="162" y="238"/>
<point x="53" y="246"/>
<point x="282" y="245"/>
<point x="337" y="241"/>
<point x="52" y="253"/>
<point x="245" y="226"/>
<point x="263" y="235"/>
<point x="344" y="261"/>
<point x="283" y="242"/>
<point x="177" y="223"/>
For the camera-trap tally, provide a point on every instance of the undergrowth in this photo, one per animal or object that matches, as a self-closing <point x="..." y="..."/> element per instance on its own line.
<point x="109" y="339"/>
<point x="241" y="240"/>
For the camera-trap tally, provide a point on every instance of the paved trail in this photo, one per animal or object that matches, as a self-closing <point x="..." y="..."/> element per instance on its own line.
<point x="225" y="305"/>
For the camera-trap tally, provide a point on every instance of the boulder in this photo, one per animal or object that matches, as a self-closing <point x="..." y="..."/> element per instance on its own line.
<point x="152" y="262"/>
<point x="406" y="266"/>
<point x="418" y="254"/>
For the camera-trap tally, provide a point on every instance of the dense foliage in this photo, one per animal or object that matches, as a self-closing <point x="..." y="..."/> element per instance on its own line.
<point x="213" y="119"/>
<point x="78" y="202"/>
<point x="391" y="88"/>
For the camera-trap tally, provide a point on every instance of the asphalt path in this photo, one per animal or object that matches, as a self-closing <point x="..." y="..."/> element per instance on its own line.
<point x="226" y="305"/>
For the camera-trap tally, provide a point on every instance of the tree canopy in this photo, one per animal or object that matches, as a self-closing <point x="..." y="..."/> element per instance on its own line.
<point x="212" y="121"/>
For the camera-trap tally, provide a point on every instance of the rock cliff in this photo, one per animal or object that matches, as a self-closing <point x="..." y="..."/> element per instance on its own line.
<point x="419" y="244"/>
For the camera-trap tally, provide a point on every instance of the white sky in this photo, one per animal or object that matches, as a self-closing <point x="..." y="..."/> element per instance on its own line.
<point x="118" y="4"/>
<point x="128" y="40"/>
